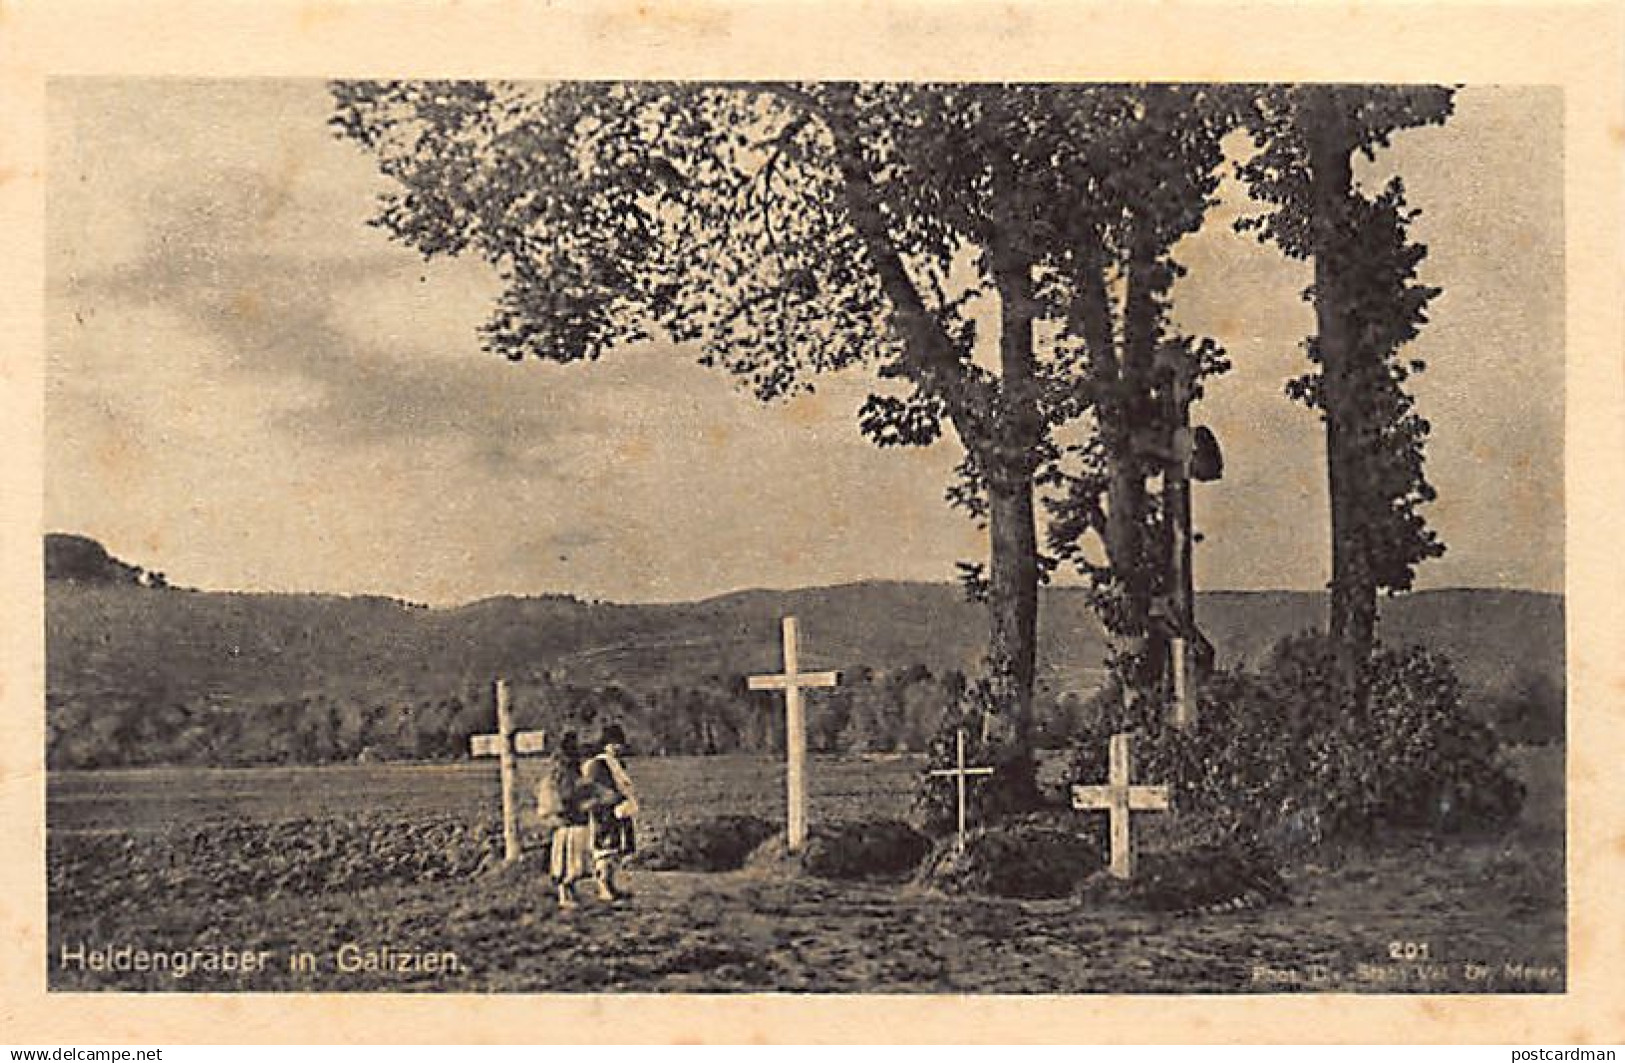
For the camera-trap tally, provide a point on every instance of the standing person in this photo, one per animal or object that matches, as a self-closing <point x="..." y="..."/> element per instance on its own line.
<point x="562" y="801"/>
<point x="613" y="834"/>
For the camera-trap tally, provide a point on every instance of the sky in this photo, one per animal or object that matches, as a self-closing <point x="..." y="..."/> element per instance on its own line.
<point x="250" y="388"/>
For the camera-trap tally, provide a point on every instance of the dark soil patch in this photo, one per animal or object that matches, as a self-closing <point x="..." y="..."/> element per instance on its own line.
<point x="1202" y="878"/>
<point x="876" y="849"/>
<point x="1017" y="861"/>
<point x="720" y="844"/>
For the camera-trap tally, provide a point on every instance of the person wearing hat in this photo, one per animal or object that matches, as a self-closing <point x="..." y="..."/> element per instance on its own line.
<point x="613" y="833"/>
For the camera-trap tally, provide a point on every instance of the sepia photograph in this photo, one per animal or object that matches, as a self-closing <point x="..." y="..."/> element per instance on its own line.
<point x="804" y="537"/>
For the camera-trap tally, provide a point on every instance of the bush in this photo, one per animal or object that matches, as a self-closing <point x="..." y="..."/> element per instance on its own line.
<point x="1280" y="756"/>
<point x="885" y="848"/>
<point x="719" y="844"/>
<point x="1025" y="861"/>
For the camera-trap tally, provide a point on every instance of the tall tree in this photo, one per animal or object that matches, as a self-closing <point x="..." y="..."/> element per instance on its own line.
<point x="787" y="230"/>
<point x="1154" y="168"/>
<point x="1368" y="304"/>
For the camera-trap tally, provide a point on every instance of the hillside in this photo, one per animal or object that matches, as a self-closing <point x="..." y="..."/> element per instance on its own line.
<point x="138" y="672"/>
<point x="193" y="643"/>
<point x="79" y="559"/>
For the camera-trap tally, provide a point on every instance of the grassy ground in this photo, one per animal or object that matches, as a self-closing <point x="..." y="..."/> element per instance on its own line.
<point x="1416" y="915"/>
<point x="673" y="788"/>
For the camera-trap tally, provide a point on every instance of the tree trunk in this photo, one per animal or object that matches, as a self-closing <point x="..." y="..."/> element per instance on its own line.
<point x="1140" y="334"/>
<point x="1013" y="603"/>
<point x="1001" y="425"/>
<point x="1353" y="612"/>
<point x="1125" y="488"/>
<point x="1009" y="466"/>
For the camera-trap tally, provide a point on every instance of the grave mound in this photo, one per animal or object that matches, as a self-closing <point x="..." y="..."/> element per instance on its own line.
<point x="872" y="849"/>
<point x="1202" y="878"/>
<point x="1018" y="860"/>
<point x="722" y="843"/>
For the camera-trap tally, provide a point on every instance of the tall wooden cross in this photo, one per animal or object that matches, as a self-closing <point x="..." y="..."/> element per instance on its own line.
<point x="792" y="681"/>
<point x="960" y="773"/>
<point x="506" y="745"/>
<point x="1119" y="798"/>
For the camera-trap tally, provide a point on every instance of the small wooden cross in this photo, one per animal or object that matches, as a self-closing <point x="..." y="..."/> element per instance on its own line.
<point x="505" y="745"/>
<point x="792" y="681"/>
<point x="1119" y="798"/>
<point x="960" y="773"/>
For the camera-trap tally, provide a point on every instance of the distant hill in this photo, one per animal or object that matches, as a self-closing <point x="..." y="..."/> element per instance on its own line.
<point x="251" y="645"/>
<point x="1492" y="636"/>
<point x="78" y="559"/>
<point x="131" y="663"/>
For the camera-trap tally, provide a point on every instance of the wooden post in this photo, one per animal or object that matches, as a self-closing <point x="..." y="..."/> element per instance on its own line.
<point x="510" y="821"/>
<point x="791" y="681"/>
<point x="1176" y="501"/>
<point x="1184" y="707"/>
<point x="959" y="781"/>
<point x="795" y="744"/>
<point x="507" y="746"/>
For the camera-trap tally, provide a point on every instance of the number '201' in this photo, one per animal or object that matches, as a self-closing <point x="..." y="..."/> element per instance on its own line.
<point x="1407" y="950"/>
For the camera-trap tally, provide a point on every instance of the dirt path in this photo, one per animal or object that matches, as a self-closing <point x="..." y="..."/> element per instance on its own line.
<point x="750" y="933"/>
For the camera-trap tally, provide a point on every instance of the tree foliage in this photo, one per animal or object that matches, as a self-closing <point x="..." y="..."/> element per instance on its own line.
<point x="1157" y="173"/>
<point x="792" y="229"/>
<point x="1277" y="755"/>
<point x="105" y="722"/>
<point x="1369" y="304"/>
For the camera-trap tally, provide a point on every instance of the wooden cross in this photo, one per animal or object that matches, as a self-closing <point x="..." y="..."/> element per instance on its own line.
<point x="1119" y="798"/>
<point x="960" y="773"/>
<point x="505" y="745"/>
<point x="792" y="681"/>
<point x="1184" y="703"/>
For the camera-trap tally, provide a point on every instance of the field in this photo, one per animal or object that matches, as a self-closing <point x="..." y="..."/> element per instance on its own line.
<point x="379" y="877"/>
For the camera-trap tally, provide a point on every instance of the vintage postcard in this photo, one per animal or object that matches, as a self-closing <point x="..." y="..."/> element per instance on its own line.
<point x="546" y="515"/>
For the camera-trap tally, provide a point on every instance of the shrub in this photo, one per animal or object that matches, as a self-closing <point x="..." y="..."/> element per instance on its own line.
<point x="1024" y="860"/>
<point x="719" y="844"/>
<point x="1281" y="756"/>
<point x="885" y="848"/>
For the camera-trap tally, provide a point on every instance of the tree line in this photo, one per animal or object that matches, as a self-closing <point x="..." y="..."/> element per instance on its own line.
<point x="896" y="711"/>
<point x="871" y="712"/>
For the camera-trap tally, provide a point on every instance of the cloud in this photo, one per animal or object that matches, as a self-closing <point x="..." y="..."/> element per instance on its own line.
<point x="276" y="318"/>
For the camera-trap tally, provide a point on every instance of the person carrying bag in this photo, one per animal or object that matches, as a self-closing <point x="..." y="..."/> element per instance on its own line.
<point x="614" y="834"/>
